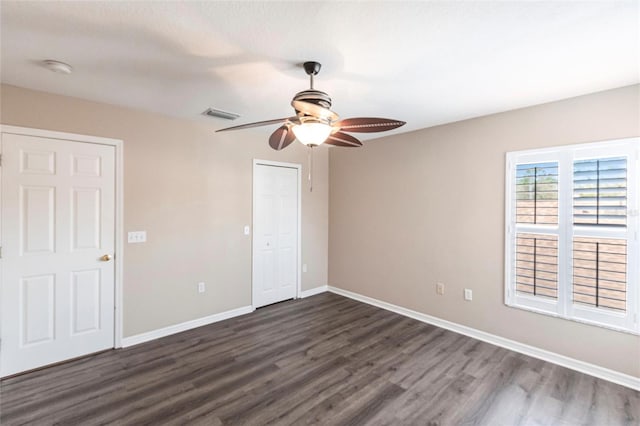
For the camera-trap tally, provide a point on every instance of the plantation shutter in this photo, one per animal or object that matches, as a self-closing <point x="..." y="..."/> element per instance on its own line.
<point x="537" y="193"/>
<point x="600" y="264"/>
<point x="536" y="255"/>
<point x="572" y="232"/>
<point x="600" y="192"/>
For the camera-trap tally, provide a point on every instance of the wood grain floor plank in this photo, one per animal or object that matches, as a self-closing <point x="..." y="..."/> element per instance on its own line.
<point x="321" y="360"/>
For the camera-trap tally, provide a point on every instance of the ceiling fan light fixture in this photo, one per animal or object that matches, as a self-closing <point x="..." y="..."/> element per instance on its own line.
<point x="312" y="133"/>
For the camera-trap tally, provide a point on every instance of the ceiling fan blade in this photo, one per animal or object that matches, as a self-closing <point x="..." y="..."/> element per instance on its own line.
<point x="368" y="124"/>
<point x="314" y="110"/>
<point x="281" y="138"/>
<point x="257" y="124"/>
<point x="343" y="139"/>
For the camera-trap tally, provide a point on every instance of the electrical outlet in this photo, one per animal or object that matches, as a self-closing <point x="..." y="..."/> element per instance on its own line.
<point x="137" y="237"/>
<point x="468" y="294"/>
<point x="247" y="230"/>
<point x="201" y="288"/>
<point x="304" y="267"/>
<point x="440" y="289"/>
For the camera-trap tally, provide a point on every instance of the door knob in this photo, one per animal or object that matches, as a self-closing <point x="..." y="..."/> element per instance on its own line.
<point x="106" y="258"/>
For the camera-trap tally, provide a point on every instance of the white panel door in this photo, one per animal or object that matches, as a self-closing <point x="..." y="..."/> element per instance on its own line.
<point x="275" y="243"/>
<point x="58" y="221"/>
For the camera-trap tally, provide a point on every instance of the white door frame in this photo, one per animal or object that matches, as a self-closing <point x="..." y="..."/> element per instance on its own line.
<point x="298" y="167"/>
<point x="119" y="208"/>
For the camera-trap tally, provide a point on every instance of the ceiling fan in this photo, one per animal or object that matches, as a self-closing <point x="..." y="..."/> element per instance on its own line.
<point x="315" y="123"/>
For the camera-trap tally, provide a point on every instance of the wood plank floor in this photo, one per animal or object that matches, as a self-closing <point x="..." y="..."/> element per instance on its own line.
<point x="321" y="360"/>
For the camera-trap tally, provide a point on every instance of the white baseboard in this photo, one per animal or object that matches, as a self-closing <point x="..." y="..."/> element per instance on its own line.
<point x="565" y="361"/>
<point x="313" y="291"/>
<point x="184" y="326"/>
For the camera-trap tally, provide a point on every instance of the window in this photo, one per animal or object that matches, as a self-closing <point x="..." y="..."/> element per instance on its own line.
<point x="572" y="228"/>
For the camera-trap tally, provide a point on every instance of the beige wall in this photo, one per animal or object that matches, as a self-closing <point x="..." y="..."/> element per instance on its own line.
<point x="410" y="210"/>
<point x="396" y="228"/>
<point x="190" y="189"/>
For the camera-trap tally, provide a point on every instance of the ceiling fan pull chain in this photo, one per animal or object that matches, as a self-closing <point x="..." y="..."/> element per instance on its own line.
<point x="310" y="168"/>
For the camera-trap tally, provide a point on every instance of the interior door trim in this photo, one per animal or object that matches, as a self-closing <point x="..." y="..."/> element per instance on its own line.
<point x="298" y="168"/>
<point x="119" y="208"/>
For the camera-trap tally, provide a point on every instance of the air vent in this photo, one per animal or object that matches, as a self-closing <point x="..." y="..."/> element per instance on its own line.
<point x="212" y="112"/>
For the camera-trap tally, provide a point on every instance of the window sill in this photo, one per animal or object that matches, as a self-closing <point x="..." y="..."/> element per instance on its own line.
<point x="635" y="332"/>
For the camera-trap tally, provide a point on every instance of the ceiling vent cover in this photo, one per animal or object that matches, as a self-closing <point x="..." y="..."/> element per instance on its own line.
<point x="212" y="112"/>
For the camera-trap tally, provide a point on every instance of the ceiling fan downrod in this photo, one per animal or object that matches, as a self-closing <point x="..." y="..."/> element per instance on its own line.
<point x="311" y="68"/>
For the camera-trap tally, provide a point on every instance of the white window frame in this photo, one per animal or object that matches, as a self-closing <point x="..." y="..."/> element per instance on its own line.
<point x="563" y="306"/>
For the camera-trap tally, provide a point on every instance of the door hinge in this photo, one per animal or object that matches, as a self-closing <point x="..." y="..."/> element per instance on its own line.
<point x="0" y="160"/>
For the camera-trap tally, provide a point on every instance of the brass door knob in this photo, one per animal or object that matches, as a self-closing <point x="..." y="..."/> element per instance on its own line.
<point x="106" y="258"/>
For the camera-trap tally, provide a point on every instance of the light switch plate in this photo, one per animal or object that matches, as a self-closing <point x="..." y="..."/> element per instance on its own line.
<point x="137" y="237"/>
<point x="247" y="230"/>
<point x="468" y="294"/>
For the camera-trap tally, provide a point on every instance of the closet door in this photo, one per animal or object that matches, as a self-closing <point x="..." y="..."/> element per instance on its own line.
<point x="275" y="242"/>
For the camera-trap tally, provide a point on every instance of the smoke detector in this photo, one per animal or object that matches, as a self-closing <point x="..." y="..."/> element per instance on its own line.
<point x="57" y="66"/>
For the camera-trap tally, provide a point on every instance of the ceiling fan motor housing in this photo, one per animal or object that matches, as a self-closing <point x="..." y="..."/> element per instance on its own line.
<point x="314" y="97"/>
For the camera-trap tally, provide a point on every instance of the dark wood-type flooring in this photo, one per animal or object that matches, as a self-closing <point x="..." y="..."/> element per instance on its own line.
<point x="321" y="360"/>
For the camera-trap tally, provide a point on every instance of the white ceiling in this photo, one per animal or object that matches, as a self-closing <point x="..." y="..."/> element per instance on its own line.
<point x="423" y="62"/>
